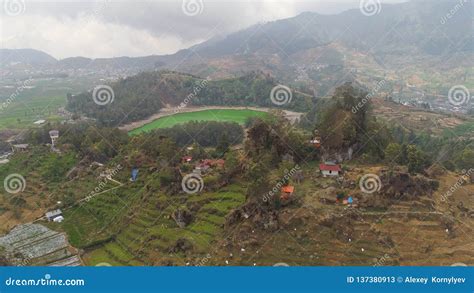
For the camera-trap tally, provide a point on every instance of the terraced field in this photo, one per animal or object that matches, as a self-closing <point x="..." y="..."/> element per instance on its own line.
<point x="132" y="227"/>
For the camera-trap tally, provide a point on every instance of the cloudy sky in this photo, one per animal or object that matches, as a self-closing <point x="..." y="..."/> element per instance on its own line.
<point x="111" y="28"/>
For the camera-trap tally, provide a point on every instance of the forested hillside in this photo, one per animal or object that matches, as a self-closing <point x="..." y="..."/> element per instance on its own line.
<point x="140" y="96"/>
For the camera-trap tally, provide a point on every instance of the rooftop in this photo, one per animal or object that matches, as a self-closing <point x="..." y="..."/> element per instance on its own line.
<point x="326" y="167"/>
<point x="54" y="213"/>
<point x="288" y="189"/>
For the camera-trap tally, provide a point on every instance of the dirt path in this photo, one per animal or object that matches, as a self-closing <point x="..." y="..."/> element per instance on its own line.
<point x="290" y="115"/>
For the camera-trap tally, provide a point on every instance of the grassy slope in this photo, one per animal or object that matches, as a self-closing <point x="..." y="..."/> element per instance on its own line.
<point x="43" y="173"/>
<point x="132" y="226"/>
<point x="30" y="110"/>
<point x="149" y="231"/>
<point x="224" y="115"/>
<point x="40" y="102"/>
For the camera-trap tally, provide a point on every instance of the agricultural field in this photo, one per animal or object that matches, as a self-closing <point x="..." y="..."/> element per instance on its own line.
<point x="22" y="103"/>
<point x="136" y="228"/>
<point x="220" y="115"/>
<point x="43" y="174"/>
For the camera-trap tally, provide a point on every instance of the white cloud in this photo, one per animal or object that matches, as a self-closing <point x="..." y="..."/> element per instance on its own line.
<point x="85" y="37"/>
<point x="106" y="28"/>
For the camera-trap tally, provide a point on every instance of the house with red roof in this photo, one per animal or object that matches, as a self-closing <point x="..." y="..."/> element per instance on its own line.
<point x="186" y="159"/>
<point x="287" y="192"/>
<point x="330" y="169"/>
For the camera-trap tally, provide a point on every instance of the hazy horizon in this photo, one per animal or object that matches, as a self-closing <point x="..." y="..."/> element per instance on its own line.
<point x="107" y="29"/>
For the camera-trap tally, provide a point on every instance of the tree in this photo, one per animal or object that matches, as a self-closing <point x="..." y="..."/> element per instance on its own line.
<point x="223" y="144"/>
<point x="167" y="152"/>
<point x="417" y="160"/>
<point x="257" y="176"/>
<point x="466" y="160"/>
<point x="393" y="153"/>
<point x="231" y="164"/>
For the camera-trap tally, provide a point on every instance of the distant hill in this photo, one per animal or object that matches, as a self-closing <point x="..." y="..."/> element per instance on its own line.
<point x="140" y="63"/>
<point x="414" y="47"/>
<point x="406" y="44"/>
<point x="414" y="27"/>
<point x="140" y="96"/>
<point x="27" y="56"/>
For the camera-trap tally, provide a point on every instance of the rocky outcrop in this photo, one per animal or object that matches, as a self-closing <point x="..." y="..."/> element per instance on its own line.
<point x="182" y="217"/>
<point x="403" y="186"/>
<point x="261" y="217"/>
<point x="181" y="245"/>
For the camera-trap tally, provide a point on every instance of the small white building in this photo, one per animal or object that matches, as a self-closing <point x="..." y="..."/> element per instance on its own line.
<point x="23" y="147"/>
<point x="58" y="219"/>
<point x="52" y="215"/>
<point x="39" y="122"/>
<point x="328" y="169"/>
<point x="54" y="135"/>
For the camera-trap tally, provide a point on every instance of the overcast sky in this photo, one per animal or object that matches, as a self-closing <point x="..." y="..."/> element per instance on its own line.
<point x="110" y="28"/>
